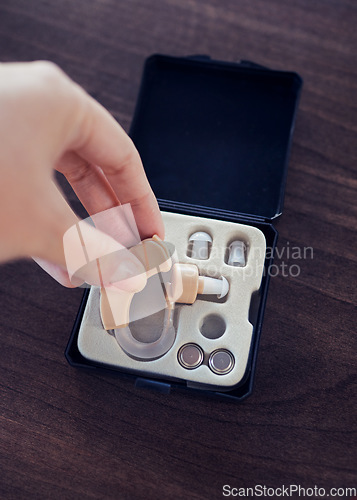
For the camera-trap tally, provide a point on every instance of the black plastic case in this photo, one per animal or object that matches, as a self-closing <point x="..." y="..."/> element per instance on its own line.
<point x="229" y="127"/>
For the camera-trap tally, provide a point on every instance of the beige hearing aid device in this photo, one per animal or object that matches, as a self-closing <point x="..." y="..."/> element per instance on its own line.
<point x="115" y="303"/>
<point x="183" y="286"/>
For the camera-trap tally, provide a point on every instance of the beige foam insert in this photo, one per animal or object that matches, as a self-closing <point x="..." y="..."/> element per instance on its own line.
<point x="96" y="344"/>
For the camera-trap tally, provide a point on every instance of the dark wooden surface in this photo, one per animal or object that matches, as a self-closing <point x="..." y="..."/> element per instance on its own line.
<point x="68" y="434"/>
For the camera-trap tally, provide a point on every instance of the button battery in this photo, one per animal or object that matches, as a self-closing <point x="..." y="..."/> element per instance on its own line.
<point x="190" y="356"/>
<point x="221" y="361"/>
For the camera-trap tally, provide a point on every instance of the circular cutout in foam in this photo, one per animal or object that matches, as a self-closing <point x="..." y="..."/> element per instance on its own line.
<point x="213" y="326"/>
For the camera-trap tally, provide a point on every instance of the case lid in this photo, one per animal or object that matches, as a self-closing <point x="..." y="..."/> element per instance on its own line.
<point x="215" y="136"/>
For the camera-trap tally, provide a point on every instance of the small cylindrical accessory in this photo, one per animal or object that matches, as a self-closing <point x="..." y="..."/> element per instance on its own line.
<point x="190" y="356"/>
<point x="221" y="361"/>
<point x="237" y="254"/>
<point x="213" y="286"/>
<point x="193" y="284"/>
<point x="200" y="243"/>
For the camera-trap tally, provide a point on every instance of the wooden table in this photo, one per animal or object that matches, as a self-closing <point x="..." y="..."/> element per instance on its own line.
<point x="69" y="434"/>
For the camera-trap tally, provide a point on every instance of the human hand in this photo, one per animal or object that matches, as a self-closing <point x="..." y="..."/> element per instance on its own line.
<point x="48" y="122"/>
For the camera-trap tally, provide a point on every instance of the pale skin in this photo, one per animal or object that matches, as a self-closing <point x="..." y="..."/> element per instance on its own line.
<point x="48" y="123"/>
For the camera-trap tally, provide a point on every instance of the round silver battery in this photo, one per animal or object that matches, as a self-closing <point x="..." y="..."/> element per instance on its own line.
<point x="221" y="361"/>
<point x="190" y="356"/>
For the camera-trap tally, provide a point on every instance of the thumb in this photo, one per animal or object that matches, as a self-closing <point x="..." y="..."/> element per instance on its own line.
<point x="75" y="252"/>
<point x="98" y="259"/>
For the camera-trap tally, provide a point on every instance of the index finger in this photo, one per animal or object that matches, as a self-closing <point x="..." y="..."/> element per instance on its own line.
<point x="100" y="140"/>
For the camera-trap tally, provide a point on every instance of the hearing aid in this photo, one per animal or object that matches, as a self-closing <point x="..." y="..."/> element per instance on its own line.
<point x="193" y="284"/>
<point x="183" y="285"/>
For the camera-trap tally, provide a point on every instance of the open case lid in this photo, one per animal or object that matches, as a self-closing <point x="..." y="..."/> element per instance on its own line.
<point x="216" y="136"/>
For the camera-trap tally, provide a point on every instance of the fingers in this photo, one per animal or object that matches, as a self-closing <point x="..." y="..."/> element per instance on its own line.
<point x="98" y="197"/>
<point x="100" y="140"/>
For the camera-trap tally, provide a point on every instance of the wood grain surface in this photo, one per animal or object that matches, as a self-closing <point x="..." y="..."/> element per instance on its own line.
<point x="70" y="434"/>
